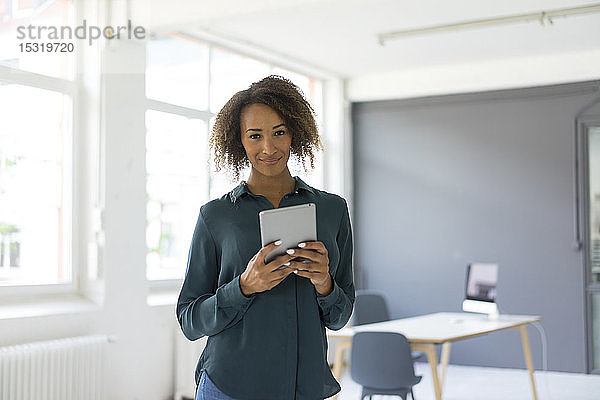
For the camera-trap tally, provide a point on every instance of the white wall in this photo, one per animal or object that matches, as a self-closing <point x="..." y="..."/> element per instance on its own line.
<point x="577" y="66"/>
<point x="138" y="365"/>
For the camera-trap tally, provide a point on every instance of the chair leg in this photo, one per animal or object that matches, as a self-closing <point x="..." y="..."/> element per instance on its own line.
<point x="364" y="393"/>
<point x="412" y="395"/>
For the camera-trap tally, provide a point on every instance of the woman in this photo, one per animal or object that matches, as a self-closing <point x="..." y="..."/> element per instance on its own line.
<point x="266" y="324"/>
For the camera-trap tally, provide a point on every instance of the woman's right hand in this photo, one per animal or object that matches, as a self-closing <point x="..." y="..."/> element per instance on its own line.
<point x="259" y="277"/>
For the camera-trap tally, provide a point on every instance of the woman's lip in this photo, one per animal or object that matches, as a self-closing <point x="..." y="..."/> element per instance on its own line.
<point x="270" y="161"/>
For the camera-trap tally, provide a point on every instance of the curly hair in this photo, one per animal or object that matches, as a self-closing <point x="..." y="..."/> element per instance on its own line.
<point x="283" y="96"/>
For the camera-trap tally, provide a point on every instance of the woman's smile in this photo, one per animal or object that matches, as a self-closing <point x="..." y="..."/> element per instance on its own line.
<point x="270" y="161"/>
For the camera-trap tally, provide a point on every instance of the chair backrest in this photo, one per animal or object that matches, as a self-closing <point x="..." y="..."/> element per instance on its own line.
<point x="382" y="360"/>
<point x="369" y="307"/>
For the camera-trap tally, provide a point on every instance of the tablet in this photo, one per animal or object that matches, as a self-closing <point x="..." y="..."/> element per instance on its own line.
<point x="292" y="225"/>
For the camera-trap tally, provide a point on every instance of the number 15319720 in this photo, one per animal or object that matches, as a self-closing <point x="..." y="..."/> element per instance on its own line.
<point x="50" y="47"/>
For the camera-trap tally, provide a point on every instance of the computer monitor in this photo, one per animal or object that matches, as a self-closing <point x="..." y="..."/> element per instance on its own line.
<point x="480" y="289"/>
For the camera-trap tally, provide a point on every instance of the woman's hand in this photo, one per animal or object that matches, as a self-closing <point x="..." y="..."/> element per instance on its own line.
<point x="259" y="276"/>
<point x="317" y="270"/>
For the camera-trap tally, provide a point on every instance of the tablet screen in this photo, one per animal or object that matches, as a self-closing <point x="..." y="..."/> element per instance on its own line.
<point x="292" y="225"/>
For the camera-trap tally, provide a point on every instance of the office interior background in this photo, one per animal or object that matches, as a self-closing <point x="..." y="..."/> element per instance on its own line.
<point x="456" y="145"/>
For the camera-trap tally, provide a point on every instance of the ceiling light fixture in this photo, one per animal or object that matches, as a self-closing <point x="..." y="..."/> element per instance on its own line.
<point x="542" y="17"/>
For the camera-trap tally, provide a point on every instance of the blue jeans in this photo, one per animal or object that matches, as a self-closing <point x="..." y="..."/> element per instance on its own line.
<point x="208" y="391"/>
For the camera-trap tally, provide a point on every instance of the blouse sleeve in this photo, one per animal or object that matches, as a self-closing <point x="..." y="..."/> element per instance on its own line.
<point x="203" y="308"/>
<point x="337" y="306"/>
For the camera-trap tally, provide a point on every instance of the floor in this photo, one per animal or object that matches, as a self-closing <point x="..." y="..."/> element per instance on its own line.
<point x="477" y="383"/>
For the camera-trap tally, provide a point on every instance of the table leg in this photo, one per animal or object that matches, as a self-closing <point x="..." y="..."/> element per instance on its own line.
<point x="338" y="363"/>
<point x="429" y="350"/>
<point x="444" y="362"/>
<point x="528" y="361"/>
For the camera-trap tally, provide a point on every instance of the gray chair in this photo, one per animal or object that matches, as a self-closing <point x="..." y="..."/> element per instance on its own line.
<point x="370" y="307"/>
<point x="382" y="364"/>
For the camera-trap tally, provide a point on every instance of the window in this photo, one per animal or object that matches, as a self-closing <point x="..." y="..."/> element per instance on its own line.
<point x="176" y="149"/>
<point x="34" y="178"/>
<point x="35" y="151"/>
<point x="187" y="83"/>
<point x="593" y="274"/>
<point x="230" y="73"/>
<point x="15" y="18"/>
<point x="595" y="313"/>
<point x="594" y="183"/>
<point x="177" y="72"/>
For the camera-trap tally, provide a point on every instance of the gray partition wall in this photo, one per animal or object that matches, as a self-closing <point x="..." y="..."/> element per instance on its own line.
<point x="489" y="177"/>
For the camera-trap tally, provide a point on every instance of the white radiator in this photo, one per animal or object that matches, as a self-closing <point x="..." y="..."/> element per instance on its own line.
<point x="63" y="369"/>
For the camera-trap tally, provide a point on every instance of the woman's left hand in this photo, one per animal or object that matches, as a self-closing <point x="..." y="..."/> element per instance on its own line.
<point x="317" y="270"/>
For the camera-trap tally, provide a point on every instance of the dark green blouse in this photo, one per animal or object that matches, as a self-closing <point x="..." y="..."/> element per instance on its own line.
<point x="271" y="345"/>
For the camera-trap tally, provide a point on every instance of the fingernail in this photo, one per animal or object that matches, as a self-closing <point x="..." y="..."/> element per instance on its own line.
<point x="301" y="244"/>
<point x="287" y="264"/>
<point x="290" y="251"/>
<point x="278" y="243"/>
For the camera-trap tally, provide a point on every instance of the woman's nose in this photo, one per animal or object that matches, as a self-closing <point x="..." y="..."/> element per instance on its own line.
<point x="269" y="146"/>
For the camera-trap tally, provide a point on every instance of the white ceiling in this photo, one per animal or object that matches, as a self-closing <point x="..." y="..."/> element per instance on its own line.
<point x="341" y="36"/>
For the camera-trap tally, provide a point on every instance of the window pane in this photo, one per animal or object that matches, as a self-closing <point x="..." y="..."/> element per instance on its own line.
<point x="314" y="177"/>
<point x="177" y="185"/>
<point x="45" y="18"/>
<point x="221" y="183"/>
<point x="177" y="72"/>
<point x="230" y="73"/>
<point x="594" y="168"/>
<point x="311" y="88"/>
<point x="596" y="331"/>
<point x="34" y="186"/>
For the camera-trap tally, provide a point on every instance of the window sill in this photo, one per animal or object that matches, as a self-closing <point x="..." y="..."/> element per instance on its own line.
<point x="163" y="292"/>
<point x="55" y="305"/>
<point x="162" y="298"/>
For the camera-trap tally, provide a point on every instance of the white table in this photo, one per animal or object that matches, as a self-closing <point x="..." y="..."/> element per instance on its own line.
<point x="424" y="332"/>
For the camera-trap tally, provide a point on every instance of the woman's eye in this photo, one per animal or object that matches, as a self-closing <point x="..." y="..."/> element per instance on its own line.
<point x="254" y="136"/>
<point x="279" y="133"/>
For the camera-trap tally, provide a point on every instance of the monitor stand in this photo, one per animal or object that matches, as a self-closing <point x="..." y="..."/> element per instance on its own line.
<point x="481" y="307"/>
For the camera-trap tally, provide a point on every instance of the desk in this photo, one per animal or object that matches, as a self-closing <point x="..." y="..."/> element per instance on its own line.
<point x="424" y="332"/>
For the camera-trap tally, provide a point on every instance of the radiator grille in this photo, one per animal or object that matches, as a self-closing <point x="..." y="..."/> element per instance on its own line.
<point x="63" y="369"/>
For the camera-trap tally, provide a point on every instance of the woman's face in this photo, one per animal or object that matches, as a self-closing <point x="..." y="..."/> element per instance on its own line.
<point x="266" y="139"/>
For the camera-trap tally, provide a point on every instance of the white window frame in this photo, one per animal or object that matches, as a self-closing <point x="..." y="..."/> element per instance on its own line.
<point x="69" y="88"/>
<point x="75" y="250"/>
